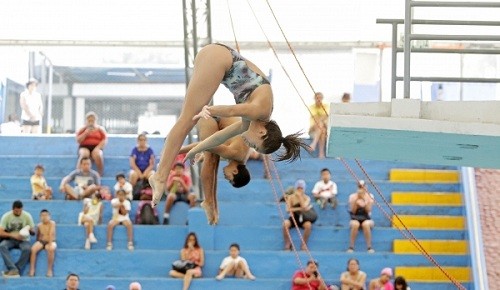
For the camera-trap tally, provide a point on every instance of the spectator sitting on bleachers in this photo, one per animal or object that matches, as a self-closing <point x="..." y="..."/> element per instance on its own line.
<point x="234" y="150"/>
<point x="360" y="209"/>
<point x="325" y="190"/>
<point x="16" y="226"/>
<point x="308" y="279"/>
<point x="123" y="184"/>
<point x="142" y="160"/>
<point x="234" y="265"/>
<point x="400" y="283"/>
<point x="298" y="204"/>
<point x="193" y="252"/>
<point x="353" y="278"/>
<point x="91" y="139"/>
<point x="87" y="181"/>
<point x="45" y="239"/>
<point x="72" y="282"/>
<point x="179" y="188"/>
<point x="318" y="123"/>
<point x="39" y="188"/>
<point x="90" y="217"/>
<point x="121" y="208"/>
<point x="383" y="282"/>
<point x="135" y="286"/>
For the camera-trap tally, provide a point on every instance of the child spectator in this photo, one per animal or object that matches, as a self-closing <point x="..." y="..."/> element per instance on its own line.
<point x="318" y="124"/>
<point x="193" y="252"/>
<point x="400" y="283"/>
<point x="142" y="160"/>
<point x="234" y="265"/>
<point x="39" y="188"/>
<point x="308" y="279"/>
<point x="360" y="208"/>
<point x="146" y="214"/>
<point x="45" y="239"/>
<point x="91" y="216"/>
<point x="123" y="184"/>
<point x="353" y="278"/>
<point x="325" y="190"/>
<point x="121" y="208"/>
<point x="179" y="188"/>
<point x="383" y="282"/>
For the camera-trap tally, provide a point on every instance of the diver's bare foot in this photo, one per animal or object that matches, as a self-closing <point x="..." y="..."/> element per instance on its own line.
<point x="158" y="188"/>
<point x="210" y="212"/>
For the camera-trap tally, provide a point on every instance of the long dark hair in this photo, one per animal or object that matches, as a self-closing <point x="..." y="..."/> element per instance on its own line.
<point x="400" y="281"/>
<point x="274" y="139"/>
<point x="191" y="234"/>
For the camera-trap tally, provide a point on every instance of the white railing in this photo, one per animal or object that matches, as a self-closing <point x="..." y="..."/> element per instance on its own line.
<point x="474" y="229"/>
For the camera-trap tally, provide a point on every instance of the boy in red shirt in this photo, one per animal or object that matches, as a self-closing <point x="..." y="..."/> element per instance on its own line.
<point x="179" y="188"/>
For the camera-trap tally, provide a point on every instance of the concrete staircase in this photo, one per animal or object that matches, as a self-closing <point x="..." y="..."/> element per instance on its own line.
<point x="249" y="216"/>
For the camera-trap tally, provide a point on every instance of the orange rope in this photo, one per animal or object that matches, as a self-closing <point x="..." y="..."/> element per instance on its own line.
<point x="232" y="26"/>
<point x="412" y="239"/>
<point x="266" y="163"/>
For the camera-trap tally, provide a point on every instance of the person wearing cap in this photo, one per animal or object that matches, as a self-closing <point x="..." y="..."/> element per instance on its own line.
<point x="383" y="282"/>
<point x="32" y="108"/>
<point x="360" y="209"/>
<point x="234" y="150"/>
<point x="309" y="278"/>
<point x="179" y="188"/>
<point x="91" y="139"/>
<point x="298" y="205"/>
<point x="135" y="286"/>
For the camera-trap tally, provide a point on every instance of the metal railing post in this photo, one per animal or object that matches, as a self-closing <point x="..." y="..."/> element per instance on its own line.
<point x="407" y="48"/>
<point x="394" y="59"/>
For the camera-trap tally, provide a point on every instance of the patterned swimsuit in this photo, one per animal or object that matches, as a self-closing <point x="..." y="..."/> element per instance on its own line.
<point x="240" y="79"/>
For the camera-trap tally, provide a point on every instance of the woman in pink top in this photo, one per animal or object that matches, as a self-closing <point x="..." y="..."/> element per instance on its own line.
<point x="194" y="253"/>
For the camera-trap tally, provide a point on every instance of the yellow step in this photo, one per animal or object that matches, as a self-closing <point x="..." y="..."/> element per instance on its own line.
<point x="440" y="247"/>
<point x="431" y="222"/>
<point x="423" y="175"/>
<point x="426" y="198"/>
<point x="433" y="274"/>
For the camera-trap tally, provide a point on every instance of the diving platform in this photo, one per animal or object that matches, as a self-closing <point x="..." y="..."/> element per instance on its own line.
<point x="461" y="133"/>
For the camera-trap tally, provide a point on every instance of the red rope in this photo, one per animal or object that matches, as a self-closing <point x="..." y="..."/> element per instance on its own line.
<point x="232" y="26"/>
<point x="411" y="237"/>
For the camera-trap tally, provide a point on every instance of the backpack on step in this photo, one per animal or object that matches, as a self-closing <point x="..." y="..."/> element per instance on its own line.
<point x="146" y="214"/>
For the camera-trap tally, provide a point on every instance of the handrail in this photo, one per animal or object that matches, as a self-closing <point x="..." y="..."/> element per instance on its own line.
<point x="455" y="4"/>
<point x="454" y="37"/>
<point x="474" y="229"/>
<point x="452" y="79"/>
<point x="439" y="22"/>
<point x="452" y="50"/>
<point x="409" y="37"/>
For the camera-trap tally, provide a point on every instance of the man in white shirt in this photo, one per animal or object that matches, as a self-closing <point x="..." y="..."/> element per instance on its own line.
<point x="121" y="208"/>
<point x="325" y="190"/>
<point x="32" y="108"/>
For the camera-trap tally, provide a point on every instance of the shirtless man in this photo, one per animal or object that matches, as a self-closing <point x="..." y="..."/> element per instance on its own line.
<point x="45" y="239"/>
<point x="234" y="150"/>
